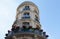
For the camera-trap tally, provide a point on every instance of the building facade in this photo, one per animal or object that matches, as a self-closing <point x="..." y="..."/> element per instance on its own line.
<point x="27" y="24"/>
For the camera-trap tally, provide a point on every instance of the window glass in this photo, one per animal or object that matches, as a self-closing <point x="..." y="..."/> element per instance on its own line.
<point x="25" y="23"/>
<point x="36" y="18"/>
<point x="26" y="8"/>
<point x="26" y="13"/>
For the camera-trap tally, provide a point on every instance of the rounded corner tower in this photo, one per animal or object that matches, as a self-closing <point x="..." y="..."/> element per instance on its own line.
<point x="27" y="25"/>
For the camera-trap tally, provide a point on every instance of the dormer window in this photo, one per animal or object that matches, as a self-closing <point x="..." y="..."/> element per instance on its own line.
<point x="26" y="8"/>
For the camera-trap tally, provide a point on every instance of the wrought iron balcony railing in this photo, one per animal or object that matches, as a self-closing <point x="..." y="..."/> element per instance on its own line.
<point x="26" y="17"/>
<point x="27" y="31"/>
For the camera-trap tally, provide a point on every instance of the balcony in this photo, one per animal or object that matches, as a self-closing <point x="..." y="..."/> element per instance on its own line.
<point x="26" y="17"/>
<point x="24" y="30"/>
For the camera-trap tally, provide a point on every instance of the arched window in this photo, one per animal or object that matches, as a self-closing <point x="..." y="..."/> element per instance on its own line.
<point x="26" y="8"/>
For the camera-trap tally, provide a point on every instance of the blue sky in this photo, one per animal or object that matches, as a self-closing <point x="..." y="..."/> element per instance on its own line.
<point x="49" y="16"/>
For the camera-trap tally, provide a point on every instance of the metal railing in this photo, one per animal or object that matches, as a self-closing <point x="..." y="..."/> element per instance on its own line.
<point x="26" y="17"/>
<point x="27" y="31"/>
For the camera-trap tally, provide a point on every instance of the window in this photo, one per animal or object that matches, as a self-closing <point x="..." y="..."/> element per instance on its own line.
<point x="36" y="18"/>
<point x="26" y="8"/>
<point x="25" y="23"/>
<point x="26" y="15"/>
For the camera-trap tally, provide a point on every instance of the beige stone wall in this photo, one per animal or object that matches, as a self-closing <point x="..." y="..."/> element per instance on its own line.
<point x="32" y="16"/>
<point x="20" y="13"/>
<point x="27" y="36"/>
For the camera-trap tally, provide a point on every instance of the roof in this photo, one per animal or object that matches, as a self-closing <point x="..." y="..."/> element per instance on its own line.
<point x="27" y="3"/>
